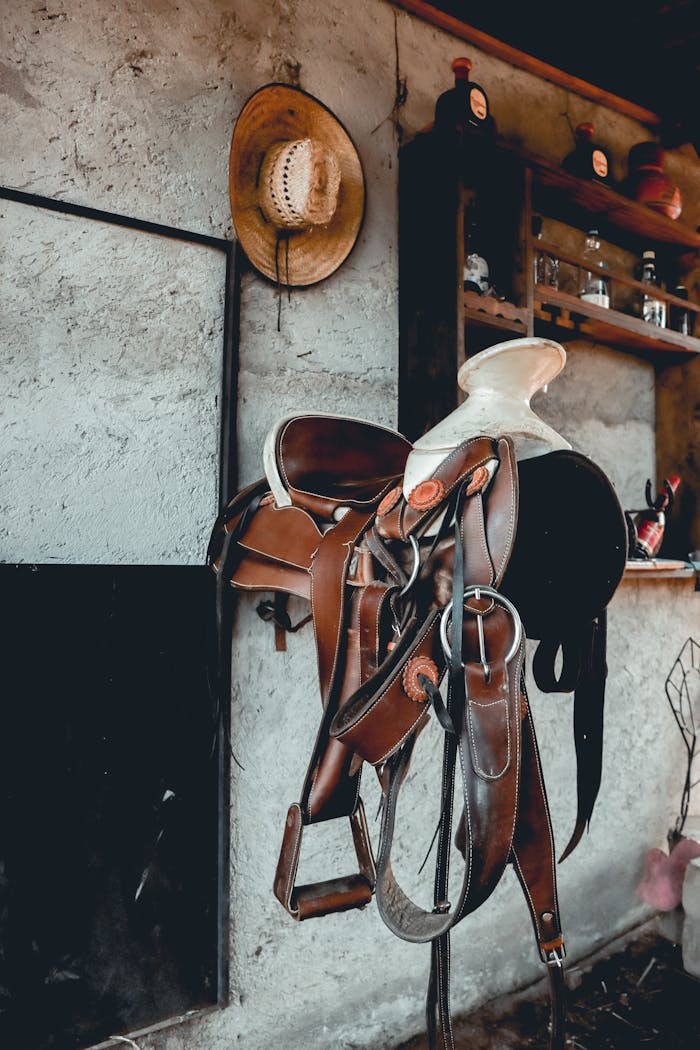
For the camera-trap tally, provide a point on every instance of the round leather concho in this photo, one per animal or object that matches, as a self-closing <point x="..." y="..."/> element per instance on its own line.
<point x="477" y="480"/>
<point x="427" y="494"/>
<point x="389" y="501"/>
<point x="418" y="665"/>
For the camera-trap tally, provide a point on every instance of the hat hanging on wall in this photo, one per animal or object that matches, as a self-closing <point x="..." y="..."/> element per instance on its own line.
<point x="296" y="184"/>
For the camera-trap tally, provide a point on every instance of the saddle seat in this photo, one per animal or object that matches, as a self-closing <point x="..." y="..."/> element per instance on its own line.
<point x="326" y="464"/>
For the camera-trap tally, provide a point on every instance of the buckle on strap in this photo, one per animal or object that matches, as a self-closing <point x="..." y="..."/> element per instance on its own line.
<point x="481" y="591"/>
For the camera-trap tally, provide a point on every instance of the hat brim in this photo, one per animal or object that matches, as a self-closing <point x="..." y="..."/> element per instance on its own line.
<point x="279" y="113"/>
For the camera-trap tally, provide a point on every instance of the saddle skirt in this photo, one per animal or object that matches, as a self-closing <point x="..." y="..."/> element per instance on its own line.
<point x="412" y="618"/>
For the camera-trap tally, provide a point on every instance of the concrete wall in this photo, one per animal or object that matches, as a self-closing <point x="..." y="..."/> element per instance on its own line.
<point x="129" y="106"/>
<point x="111" y="412"/>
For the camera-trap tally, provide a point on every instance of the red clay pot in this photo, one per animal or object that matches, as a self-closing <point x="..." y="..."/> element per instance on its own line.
<point x="648" y="183"/>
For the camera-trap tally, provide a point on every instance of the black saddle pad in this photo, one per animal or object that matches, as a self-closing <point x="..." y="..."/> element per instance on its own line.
<point x="571" y="544"/>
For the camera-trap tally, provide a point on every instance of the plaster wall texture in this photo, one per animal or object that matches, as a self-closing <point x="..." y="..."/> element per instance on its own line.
<point x="130" y="106"/>
<point x="110" y="415"/>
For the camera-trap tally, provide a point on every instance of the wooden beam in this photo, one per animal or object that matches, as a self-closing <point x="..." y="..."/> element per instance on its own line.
<point x="520" y="60"/>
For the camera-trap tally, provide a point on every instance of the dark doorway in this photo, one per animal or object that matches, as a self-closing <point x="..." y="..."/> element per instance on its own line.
<point x="110" y="802"/>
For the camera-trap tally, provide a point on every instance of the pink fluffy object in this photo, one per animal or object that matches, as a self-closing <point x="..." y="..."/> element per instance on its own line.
<point x="661" y="884"/>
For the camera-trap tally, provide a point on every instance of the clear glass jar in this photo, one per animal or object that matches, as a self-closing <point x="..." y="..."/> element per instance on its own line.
<point x="546" y="265"/>
<point x="594" y="285"/>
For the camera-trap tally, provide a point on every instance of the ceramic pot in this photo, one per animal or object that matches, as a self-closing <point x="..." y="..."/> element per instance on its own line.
<point x="648" y="182"/>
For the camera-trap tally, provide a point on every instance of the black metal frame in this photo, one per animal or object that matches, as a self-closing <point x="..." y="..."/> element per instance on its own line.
<point x="226" y="483"/>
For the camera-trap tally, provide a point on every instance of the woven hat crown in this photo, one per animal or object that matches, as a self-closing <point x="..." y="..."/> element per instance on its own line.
<point x="299" y="184"/>
<point x="296" y="184"/>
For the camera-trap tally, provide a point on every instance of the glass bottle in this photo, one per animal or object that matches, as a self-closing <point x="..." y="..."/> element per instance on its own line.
<point x="679" y="317"/>
<point x="594" y="284"/>
<point x="546" y="265"/>
<point x="465" y="105"/>
<point x="588" y="160"/>
<point x="653" y="308"/>
<point x="476" y="267"/>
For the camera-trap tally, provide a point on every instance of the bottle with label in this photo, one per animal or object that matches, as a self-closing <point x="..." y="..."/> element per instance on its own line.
<point x="594" y="286"/>
<point x="651" y="523"/>
<point x="679" y="317"/>
<point x="588" y="160"/>
<point x="464" y="106"/>
<point x="546" y="265"/>
<point x="653" y="309"/>
<point x="476" y="267"/>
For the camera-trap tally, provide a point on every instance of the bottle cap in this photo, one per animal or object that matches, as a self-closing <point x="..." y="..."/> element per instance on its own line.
<point x="650" y="254"/>
<point x="461" y="67"/>
<point x="592" y="233"/>
<point x="585" y="130"/>
<point x="680" y="291"/>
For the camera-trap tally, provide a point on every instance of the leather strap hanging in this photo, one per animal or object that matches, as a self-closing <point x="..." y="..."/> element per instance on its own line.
<point x="385" y="638"/>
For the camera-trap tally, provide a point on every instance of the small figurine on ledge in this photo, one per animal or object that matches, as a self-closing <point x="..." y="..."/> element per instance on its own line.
<point x="646" y="527"/>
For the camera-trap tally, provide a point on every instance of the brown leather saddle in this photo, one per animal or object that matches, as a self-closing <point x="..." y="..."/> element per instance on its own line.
<point x="422" y="605"/>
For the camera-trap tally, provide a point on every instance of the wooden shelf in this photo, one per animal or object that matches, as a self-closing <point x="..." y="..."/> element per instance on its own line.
<point x="659" y="569"/>
<point x="436" y="310"/>
<point x="441" y="325"/>
<point x="606" y="203"/>
<point x="577" y="318"/>
<point x="595" y="198"/>
<point x="488" y="312"/>
<point x="580" y="263"/>
<point x="618" y="211"/>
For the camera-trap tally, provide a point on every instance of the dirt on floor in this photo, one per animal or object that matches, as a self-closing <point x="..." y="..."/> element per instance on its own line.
<point x="639" y="997"/>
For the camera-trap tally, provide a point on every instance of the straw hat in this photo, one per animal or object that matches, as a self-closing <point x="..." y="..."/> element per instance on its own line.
<point x="296" y="184"/>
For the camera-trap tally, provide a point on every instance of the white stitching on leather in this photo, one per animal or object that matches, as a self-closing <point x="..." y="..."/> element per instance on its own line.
<point x="546" y="808"/>
<point x="507" y="547"/>
<point x="395" y="747"/>
<point x="297" y="847"/>
<point x="482" y="772"/>
<point x="462" y="449"/>
<point x="518" y="667"/>
<point x="468" y="828"/>
<point x="482" y="533"/>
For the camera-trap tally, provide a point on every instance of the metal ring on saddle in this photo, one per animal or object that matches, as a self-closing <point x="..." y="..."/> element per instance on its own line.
<point x="416" y="566"/>
<point x="477" y="591"/>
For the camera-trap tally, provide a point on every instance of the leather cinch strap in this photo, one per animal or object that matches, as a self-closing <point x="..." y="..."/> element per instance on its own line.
<point x="505" y="816"/>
